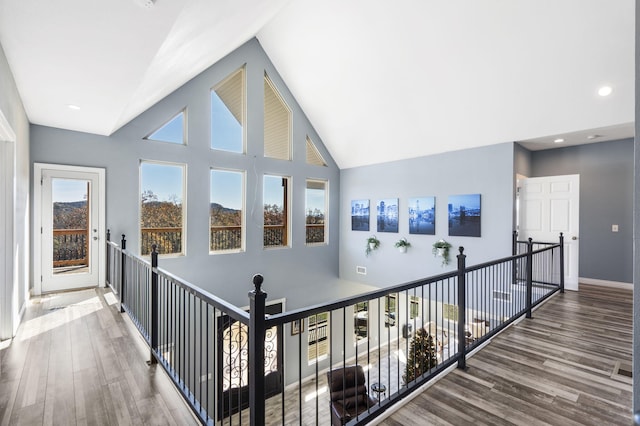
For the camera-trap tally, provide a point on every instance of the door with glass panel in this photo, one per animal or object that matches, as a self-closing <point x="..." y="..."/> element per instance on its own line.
<point x="70" y="231"/>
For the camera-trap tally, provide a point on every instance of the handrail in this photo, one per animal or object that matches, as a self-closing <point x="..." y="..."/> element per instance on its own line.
<point x="182" y="323"/>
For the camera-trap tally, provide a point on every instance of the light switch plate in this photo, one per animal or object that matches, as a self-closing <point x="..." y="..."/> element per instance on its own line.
<point x="614" y="228"/>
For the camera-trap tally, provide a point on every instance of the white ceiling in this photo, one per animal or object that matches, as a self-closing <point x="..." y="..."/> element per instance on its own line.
<point x="379" y="80"/>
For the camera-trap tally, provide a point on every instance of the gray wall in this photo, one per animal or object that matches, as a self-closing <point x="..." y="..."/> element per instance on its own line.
<point x="606" y="198"/>
<point x="12" y="109"/>
<point x="298" y="273"/>
<point x="487" y="171"/>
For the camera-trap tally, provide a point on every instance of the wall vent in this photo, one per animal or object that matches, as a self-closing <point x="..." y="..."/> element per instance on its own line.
<point x="501" y="295"/>
<point x="362" y="270"/>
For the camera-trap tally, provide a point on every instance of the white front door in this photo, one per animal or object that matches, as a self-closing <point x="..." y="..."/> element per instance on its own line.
<point x="71" y="213"/>
<point x="548" y="206"/>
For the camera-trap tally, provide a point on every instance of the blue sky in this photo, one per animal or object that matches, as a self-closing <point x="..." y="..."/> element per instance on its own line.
<point x="164" y="180"/>
<point x="226" y="188"/>
<point x="470" y="201"/>
<point x="68" y="190"/>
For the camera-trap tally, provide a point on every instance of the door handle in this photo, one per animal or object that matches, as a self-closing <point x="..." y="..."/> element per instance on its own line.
<point x="574" y="238"/>
<point x="95" y="238"/>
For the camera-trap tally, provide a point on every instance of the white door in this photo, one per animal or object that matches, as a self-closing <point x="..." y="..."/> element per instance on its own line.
<point x="71" y="227"/>
<point x="548" y="206"/>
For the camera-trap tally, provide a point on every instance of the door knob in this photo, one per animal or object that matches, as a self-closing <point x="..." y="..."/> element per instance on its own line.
<point x="574" y="238"/>
<point x="95" y="238"/>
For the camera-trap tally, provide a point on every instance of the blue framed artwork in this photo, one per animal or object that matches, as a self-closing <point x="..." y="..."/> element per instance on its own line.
<point x="464" y="215"/>
<point x="422" y="215"/>
<point x="387" y="211"/>
<point x="359" y="215"/>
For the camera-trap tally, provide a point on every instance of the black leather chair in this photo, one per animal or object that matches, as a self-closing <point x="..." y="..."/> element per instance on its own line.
<point x="348" y="394"/>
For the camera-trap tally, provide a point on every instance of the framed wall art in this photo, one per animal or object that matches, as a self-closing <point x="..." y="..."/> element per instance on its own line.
<point x="387" y="215"/>
<point x="359" y="215"/>
<point x="464" y="215"/>
<point x="422" y="215"/>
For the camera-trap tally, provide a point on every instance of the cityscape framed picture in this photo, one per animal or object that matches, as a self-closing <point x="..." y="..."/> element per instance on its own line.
<point x="422" y="215"/>
<point x="464" y="215"/>
<point x="387" y="215"/>
<point x="360" y="215"/>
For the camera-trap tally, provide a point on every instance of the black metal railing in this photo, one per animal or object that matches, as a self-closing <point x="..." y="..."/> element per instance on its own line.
<point x="223" y="360"/>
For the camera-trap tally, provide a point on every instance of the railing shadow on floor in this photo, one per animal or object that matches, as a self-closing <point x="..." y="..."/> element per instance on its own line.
<point x="403" y="336"/>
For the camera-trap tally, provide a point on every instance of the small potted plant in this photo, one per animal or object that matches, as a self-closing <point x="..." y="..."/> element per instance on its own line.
<point x="402" y="244"/>
<point x="441" y="248"/>
<point x="372" y="244"/>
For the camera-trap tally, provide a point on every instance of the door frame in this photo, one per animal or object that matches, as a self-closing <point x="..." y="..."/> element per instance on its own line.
<point x="38" y="168"/>
<point x="8" y="272"/>
<point x="575" y="259"/>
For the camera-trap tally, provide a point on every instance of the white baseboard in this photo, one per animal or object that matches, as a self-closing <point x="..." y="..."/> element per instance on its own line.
<point x="605" y="283"/>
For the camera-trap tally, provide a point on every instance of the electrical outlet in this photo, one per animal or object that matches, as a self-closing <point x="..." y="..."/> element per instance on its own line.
<point x="362" y="270"/>
<point x="614" y="228"/>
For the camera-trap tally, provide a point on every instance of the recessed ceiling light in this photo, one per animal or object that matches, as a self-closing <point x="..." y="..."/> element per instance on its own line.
<point x="605" y="91"/>
<point x="594" y="136"/>
<point x="559" y="140"/>
<point x="74" y="107"/>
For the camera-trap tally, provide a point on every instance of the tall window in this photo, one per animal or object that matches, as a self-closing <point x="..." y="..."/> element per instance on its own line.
<point x="228" y="113"/>
<point x="226" y="210"/>
<point x="277" y="123"/>
<point x="414" y="307"/>
<point x="276" y="211"/>
<point x="361" y="320"/>
<point x="390" y="310"/>
<point x="162" y="210"/>
<point x="318" y="337"/>
<point x="316" y="211"/>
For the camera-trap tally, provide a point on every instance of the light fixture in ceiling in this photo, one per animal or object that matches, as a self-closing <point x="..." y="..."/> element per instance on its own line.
<point x="73" y="107"/>
<point x="605" y="91"/>
<point x="148" y="4"/>
<point x="559" y="140"/>
<point x="591" y="137"/>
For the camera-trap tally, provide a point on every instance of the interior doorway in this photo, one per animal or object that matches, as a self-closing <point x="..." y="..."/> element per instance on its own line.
<point x="547" y="206"/>
<point x="69" y="213"/>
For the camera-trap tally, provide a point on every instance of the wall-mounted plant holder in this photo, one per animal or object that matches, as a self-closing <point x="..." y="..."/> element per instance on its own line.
<point x="402" y="244"/>
<point x="372" y="244"/>
<point x="441" y="249"/>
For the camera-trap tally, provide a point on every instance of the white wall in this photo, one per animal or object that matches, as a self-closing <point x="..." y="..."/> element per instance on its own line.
<point x="15" y="286"/>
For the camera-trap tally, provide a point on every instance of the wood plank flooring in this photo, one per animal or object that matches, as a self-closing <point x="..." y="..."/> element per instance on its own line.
<point x="77" y="360"/>
<point x="564" y="367"/>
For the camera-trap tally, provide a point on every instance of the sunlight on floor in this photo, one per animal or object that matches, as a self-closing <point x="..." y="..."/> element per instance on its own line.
<point x="311" y="395"/>
<point x="59" y="309"/>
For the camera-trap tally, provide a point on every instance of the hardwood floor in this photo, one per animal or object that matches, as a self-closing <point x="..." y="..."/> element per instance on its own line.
<point x="568" y="366"/>
<point x="77" y="360"/>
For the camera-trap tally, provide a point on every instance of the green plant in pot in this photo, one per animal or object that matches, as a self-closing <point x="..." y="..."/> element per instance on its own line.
<point x="372" y="244"/>
<point x="402" y="244"/>
<point x="441" y="248"/>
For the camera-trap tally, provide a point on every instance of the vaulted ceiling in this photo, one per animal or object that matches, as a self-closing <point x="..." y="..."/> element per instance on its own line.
<point x="379" y="80"/>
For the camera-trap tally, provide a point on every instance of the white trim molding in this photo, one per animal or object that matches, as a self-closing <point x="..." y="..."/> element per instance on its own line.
<point x="605" y="283"/>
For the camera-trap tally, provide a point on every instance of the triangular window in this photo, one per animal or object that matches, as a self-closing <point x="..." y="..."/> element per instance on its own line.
<point x="277" y="123"/>
<point x="172" y="131"/>
<point x="228" y="113"/>
<point x="313" y="155"/>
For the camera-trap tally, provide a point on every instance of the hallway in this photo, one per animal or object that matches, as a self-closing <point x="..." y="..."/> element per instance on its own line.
<point x="77" y="360"/>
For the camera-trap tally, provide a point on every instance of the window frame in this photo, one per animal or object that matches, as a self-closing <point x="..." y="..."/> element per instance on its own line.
<point x="325" y="223"/>
<point x="243" y="227"/>
<point x="212" y="90"/>
<point x="268" y="81"/>
<point x="318" y="356"/>
<point x="183" y="229"/>
<point x="286" y="208"/>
